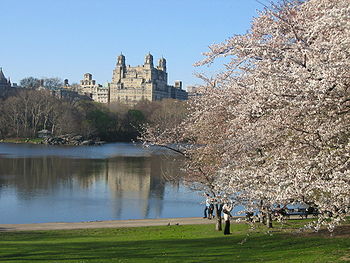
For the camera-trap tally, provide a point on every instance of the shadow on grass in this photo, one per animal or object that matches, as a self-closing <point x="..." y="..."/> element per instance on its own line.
<point x="3" y="229"/>
<point x="257" y="247"/>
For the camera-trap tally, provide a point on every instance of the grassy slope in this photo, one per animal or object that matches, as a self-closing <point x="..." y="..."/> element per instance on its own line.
<point x="196" y="243"/>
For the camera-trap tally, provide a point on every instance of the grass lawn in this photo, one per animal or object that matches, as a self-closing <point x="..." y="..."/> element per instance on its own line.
<point x="23" y="140"/>
<point x="194" y="243"/>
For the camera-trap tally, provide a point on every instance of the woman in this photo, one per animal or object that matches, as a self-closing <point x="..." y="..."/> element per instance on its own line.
<point x="226" y="209"/>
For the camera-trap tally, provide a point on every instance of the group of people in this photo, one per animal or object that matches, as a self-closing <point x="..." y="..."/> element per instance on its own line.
<point x="225" y="206"/>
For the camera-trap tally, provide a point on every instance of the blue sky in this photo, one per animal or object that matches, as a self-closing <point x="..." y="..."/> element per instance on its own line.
<point x="67" y="38"/>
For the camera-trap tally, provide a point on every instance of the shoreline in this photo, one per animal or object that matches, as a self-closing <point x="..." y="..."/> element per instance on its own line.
<point x="108" y="224"/>
<point x="21" y="141"/>
<point x="119" y="223"/>
<point x="41" y="141"/>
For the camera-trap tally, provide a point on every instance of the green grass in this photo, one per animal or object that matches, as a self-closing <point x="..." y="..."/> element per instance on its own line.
<point x="23" y="140"/>
<point x="195" y="243"/>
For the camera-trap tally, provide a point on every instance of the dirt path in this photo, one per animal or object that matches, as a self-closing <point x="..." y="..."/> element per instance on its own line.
<point x="106" y="224"/>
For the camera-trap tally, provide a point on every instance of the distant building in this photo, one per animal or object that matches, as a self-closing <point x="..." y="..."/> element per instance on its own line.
<point x="96" y="92"/>
<point x="4" y="82"/>
<point x="177" y="92"/>
<point x="5" y="85"/>
<point x="192" y="91"/>
<point x="101" y="93"/>
<point x="67" y="94"/>
<point x="41" y="85"/>
<point x="88" y="85"/>
<point x="145" y="82"/>
<point x="66" y="83"/>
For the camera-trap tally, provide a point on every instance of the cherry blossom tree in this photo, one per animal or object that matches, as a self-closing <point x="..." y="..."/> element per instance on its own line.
<point x="273" y="127"/>
<point x="202" y="150"/>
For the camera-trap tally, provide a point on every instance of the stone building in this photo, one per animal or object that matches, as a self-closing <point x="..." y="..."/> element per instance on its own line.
<point x="176" y="91"/>
<point x="101" y="93"/>
<point x="68" y="94"/>
<point x="4" y="82"/>
<point x="192" y="91"/>
<point x="5" y="85"/>
<point x="96" y="92"/>
<point x="88" y="85"/>
<point x="145" y="82"/>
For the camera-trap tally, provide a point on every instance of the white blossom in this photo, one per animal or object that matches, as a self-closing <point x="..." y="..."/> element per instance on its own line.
<point x="274" y="126"/>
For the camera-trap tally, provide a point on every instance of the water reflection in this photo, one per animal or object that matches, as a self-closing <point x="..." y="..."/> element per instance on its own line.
<point x="53" y="188"/>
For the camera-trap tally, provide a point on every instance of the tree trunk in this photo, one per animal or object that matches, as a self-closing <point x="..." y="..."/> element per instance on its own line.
<point x="269" y="219"/>
<point x="218" y="226"/>
<point x="262" y="217"/>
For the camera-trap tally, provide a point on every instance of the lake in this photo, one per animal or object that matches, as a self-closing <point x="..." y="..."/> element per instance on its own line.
<point x="40" y="183"/>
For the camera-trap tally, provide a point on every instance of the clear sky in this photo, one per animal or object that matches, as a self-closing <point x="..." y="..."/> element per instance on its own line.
<point x="67" y="38"/>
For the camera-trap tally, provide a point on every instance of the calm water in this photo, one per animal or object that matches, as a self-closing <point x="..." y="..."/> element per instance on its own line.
<point x="71" y="184"/>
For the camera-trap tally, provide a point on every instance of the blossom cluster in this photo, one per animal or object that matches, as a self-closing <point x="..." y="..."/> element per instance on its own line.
<point x="273" y="128"/>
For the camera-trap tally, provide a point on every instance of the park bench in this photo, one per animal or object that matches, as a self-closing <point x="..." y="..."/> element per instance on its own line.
<point x="286" y="213"/>
<point x="301" y="212"/>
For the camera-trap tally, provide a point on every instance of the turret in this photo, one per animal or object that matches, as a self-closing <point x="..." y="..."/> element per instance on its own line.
<point x="162" y="64"/>
<point x="4" y="82"/>
<point x="121" y="61"/>
<point x="2" y="77"/>
<point x="87" y="76"/>
<point x="149" y="60"/>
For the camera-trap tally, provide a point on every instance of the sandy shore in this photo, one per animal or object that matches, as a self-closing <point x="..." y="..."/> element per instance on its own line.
<point x="116" y="223"/>
<point x="107" y="224"/>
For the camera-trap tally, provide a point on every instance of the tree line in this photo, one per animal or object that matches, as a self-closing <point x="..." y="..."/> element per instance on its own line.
<point x="34" y="83"/>
<point x="27" y="111"/>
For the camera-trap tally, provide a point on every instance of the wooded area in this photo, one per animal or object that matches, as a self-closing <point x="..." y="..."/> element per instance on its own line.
<point x="28" y="111"/>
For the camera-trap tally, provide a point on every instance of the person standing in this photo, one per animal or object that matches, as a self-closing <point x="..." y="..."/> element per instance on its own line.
<point x="207" y="206"/>
<point x="211" y="210"/>
<point x="226" y="209"/>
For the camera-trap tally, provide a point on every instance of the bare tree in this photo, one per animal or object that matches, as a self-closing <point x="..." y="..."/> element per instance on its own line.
<point x="30" y="83"/>
<point x="53" y="83"/>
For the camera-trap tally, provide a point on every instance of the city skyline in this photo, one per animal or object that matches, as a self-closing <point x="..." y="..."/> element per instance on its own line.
<point x="67" y="39"/>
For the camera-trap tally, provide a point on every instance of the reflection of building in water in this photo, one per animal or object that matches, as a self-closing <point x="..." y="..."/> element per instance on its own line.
<point x="30" y="175"/>
<point x="135" y="184"/>
<point x="136" y="180"/>
<point x="89" y="173"/>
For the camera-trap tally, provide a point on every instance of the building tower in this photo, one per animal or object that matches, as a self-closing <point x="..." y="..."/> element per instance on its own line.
<point x="120" y="69"/>
<point x="66" y="83"/>
<point x="87" y="81"/>
<point x="149" y="60"/>
<point x="121" y="61"/>
<point x="162" y="64"/>
<point x="88" y="85"/>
